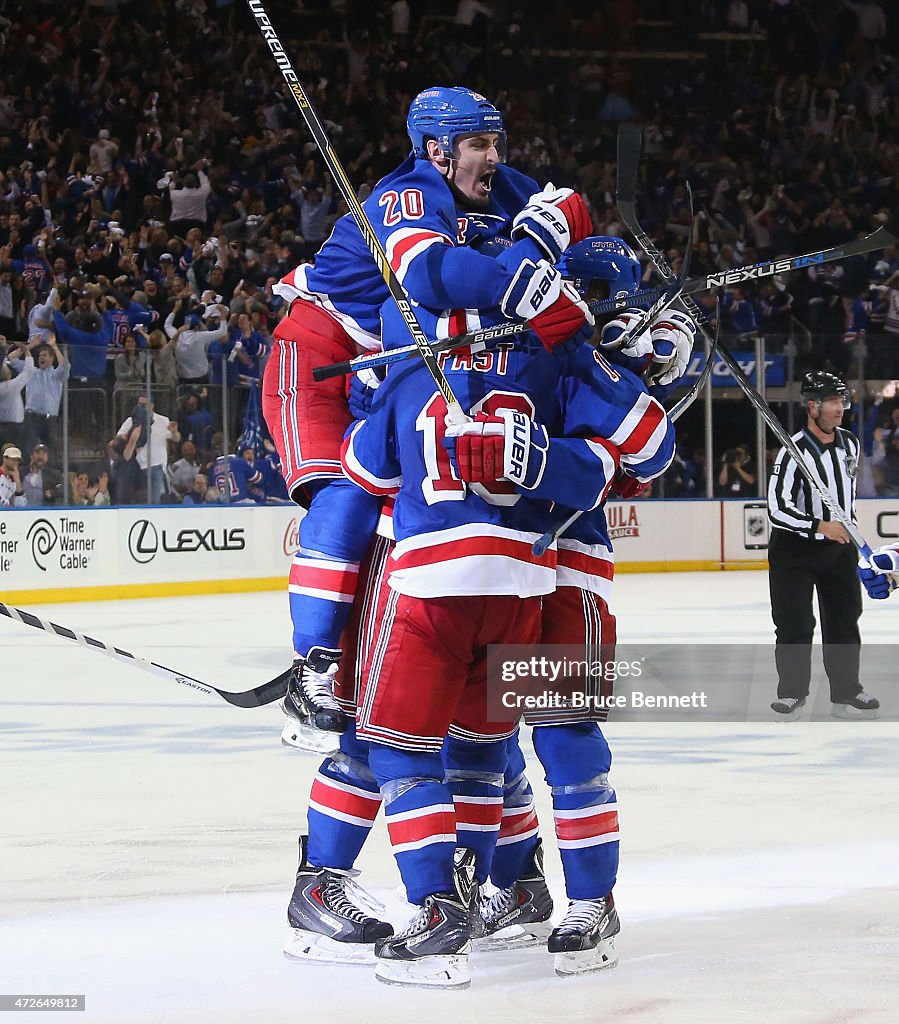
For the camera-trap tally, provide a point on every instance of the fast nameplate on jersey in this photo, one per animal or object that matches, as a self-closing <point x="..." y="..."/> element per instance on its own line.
<point x="492" y="360"/>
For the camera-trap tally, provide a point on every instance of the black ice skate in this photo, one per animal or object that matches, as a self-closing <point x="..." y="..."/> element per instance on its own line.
<point x="432" y="950"/>
<point x="862" y="705"/>
<point x="328" y="926"/>
<point x="585" y="939"/>
<point x="314" y="718"/>
<point x="789" y="707"/>
<point x="518" y="916"/>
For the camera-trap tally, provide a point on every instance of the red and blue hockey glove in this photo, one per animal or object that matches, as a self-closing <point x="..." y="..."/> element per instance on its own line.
<point x="508" y="446"/>
<point x="554" y="310"/>
<point x="627" y="487"/>
<point x="554" y="218"/>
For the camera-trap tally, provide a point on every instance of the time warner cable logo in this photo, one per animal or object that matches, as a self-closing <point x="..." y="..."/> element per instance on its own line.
<point x="43" y="538"/>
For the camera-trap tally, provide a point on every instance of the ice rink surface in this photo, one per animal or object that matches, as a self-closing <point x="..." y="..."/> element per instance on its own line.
<point x="149" y="839"/>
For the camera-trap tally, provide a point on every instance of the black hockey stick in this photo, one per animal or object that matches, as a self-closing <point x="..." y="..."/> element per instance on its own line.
<point x="273" y="690"/>
<point x="886" y="235"/>
<point x="670" y="293"/>
<point x="630" y="141"/>
<point x="455" y="412"/>
<point x="676" y="411"/>
<point x="473" y="340"/>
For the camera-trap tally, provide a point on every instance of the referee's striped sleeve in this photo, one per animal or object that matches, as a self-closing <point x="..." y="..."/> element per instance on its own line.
<point x="784" y="489"/>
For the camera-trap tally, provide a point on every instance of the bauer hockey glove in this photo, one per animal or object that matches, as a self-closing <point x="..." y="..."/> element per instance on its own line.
<point x="554" y="310"/>
<point x="554" y="218"/>
<point x="508" y="446"/>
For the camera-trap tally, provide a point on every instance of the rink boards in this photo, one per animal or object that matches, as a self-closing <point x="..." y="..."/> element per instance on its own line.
<point x="66" y="554"/>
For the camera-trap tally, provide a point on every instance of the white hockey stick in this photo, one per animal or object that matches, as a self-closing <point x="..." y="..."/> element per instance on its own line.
<point x="455" y="413"/>
<point x="629" y="146"/>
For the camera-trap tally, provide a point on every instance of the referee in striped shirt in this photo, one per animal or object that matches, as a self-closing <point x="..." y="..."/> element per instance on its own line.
<point x="810" y="551"/>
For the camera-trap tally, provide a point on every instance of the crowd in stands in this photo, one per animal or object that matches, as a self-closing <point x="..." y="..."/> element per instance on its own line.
<point x="156" y="181"/>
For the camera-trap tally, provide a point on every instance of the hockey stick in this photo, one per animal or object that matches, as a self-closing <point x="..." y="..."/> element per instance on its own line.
<point x="630" y="142"/>
<point x="455" y="414"/>
<point x="670" y="294"/>
<point x="886" y="235"/>
<point x="273" y="690"/>
<point x="674" y="414"/>
<point x="473" y="340"/>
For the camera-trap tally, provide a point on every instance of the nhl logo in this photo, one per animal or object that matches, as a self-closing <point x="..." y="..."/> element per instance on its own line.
<point x="755" y="525"/>
<point x="851" y="465"/>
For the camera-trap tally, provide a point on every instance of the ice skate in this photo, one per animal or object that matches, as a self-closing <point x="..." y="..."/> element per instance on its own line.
<point x="789" y="707"/>
<point x="862" y="705"/>
<point x="518" y="916"/>
<point x="328" y="924"/>
<point x="315" y="719"/>
<point x="432" y="950"/>
<point x="585" y="939"/>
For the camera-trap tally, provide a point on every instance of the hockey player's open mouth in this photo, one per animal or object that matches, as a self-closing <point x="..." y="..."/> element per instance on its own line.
<point x="486" y="180"/>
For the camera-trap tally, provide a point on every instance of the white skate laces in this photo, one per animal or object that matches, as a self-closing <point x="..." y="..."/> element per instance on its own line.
<point x="318" y="687"/>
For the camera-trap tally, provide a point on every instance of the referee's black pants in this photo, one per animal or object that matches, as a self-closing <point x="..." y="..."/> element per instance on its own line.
<point x="798" y="567"/>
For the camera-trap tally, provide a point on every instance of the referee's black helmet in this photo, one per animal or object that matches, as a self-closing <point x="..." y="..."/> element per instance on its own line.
<point x="820" y="385"/>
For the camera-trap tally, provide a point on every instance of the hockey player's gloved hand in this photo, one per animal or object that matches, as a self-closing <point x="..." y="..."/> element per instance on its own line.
<point x="554" y="310"/>
<point x="627" y="487"/>
<point x="363" y="386"/>
<point x="672" y="346"/>
<point x="554" y="218"/>
<point x="508" y="446"/>
<point x="634" y="353"/>
<point x="885" y="559"/>
<point x="660" y="354"/>
<point x="877" y="585"/>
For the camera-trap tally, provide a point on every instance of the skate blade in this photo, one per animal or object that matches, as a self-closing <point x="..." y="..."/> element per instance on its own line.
<point x="305" y="737"/>
<point x="309" y="947"/>
<point x="585" y="961"/>
<point x="514" y="936"/>
<point x="853" y="714"/>
<point x="789" y="716"/>
<point x="429" y="972"/>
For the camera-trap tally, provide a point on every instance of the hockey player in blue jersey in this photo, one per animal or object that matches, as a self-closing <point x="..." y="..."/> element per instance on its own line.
<point x="234" y="478"/>
<point x="463" y="575"/>
<point x="345" y="798"/>
<point x="570" y="745"/>
<point x="431" y="215"/>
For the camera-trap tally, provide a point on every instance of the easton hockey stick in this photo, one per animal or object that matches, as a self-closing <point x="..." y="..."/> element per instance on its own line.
<point x="455" y="414"/>
<point x="630" y="141"/>
<point x="886" y="235"/>
<point x="273" y="690"/>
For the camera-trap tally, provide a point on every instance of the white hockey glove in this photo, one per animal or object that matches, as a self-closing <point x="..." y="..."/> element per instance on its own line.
<point x="660" y="354"/>
<point x="672" y="345"/>
<point x="885" y="559"/>
<point x="554" y="218"/>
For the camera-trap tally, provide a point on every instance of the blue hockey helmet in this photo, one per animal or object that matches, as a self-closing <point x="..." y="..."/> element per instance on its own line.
<point x="602" y="258"/>
<point x="446" y="112"/>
